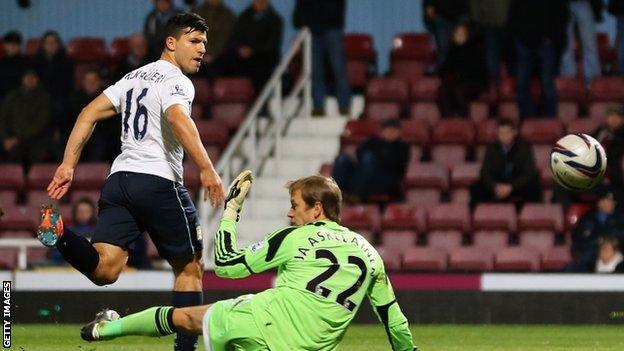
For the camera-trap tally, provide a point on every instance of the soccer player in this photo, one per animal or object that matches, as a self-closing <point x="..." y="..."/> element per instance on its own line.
<point x="324" y="272"/>
<point x="144" y="191"/>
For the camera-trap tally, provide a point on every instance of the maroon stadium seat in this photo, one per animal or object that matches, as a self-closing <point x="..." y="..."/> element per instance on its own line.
<point x="480" y="153"/>
<point x="120" y="48"/>
<point x="494" y="240"/>
<point x="449" y="216"/>
<point x="567" y="111"/>
<point x="359" y="46"/>
<point x="93" y="195"/>
<point x="235" y="89"/>
<point x="471" y="259"/>
<point x="198" y="111"/>
<point x="575" y="213"/>
<point x="583" y="125"/>
<point x="479" y="111"/>
<point x="507" y="89"/>
<point x="416" y="152"/>
<point x="517" y="259"/>
<point x="415" y="132"/>
<point x="426" y="111"/>
<point x="391" y="256"/>
<point x="90" y="175"/>
<point x="387" y="89"/>
<point x="7" y="198"/>
<point x="326" y="169"/>
<point x="606" y="52"/>
<point x="11" y="176"/>
<point x="40" y="175"/>
<point x="461" y="195"/>
<point x="399" y="216"/>
<point x="570" y="89"/>
<point x="465" y="174"/>
<point x="546" y="179"/>
<point x="357" y="73"/>
<point x="541" y="153"/>
<point x="540" y="240"/>
<point x="495" y="216"/>
<point x="232" y="114"/>
<point x="91" y="50"/>
<point x="403" y="239"/>
<point x="381" y="111"/>
<point x="509" y="109"/>
<point x="409" y="69"/>
<point x="606" y="89"/>
<point x="36" y="254"/>
<point x="453" y="131"/>
<point x="213" y="132"/>
<point x="18" y="218"/>
<point x="202" y="90"/>
<point x="541" y="216"/>
<point x="36" y="198"/>
<point x="425" y="259"/>
<point x="32" y="46"/>
<point x="541" y="131"/>
<point x="412" y="46"/>
<point x="426" y="175"/>
<point x="358" y="131"/>
<point x="448" y="156"/>
<point x="17" y="234"/>
<point x="446" y="239"/>
<point x="361" y="217"/>
<point x="597" y="110"/>
<point x="8" y="258"/>
<point x="425" y="89"/>
<point x="424" y="198"/>
<point x="191" y="176"/>
<point x="556" y="258"/>
<point x="486" y="131"/>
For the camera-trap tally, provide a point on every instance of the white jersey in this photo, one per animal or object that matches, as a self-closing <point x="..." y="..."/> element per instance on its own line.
<point x="142" y="96"/>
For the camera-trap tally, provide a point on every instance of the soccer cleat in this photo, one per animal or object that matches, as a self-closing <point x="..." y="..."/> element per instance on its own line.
<point x="89" y="332"/>
<point x="51" y="227"/>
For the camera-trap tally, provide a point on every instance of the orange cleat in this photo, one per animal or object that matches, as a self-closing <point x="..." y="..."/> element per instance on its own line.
<point x="51" y="227"/>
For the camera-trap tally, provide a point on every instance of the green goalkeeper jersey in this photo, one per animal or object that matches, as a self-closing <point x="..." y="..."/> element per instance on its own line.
<point x="324" y="271"/>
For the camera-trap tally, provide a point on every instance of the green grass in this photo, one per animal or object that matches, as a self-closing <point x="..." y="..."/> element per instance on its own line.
<point x="48" y="337"/>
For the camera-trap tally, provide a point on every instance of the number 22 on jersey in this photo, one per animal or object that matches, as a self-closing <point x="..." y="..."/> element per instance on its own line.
<point x="139" y="123"/>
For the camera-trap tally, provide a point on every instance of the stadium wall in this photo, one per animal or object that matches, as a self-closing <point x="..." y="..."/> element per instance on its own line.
<point x="118" y="18"/>
<point x="67" y="297"/>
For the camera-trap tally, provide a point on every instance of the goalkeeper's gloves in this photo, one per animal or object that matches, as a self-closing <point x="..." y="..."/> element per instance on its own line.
<point x="236" y="195"/>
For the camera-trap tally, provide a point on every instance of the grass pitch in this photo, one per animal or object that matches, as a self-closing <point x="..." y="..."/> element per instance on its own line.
<point x="48" y="337"/>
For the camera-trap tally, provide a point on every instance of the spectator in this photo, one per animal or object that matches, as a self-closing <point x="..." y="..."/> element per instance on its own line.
<point x="610" y="259"/>
<point x="508" y="172"/>
<point x="56" y="72"/>
<point x="611" y="137"/>
<point x="82" y="222"/>
<point x="463" y="74"/>
<point x="220" y="20"/>
<point x="440" y="16"/>
<point x="602" y="221"/>
<point x="24" y="122"/>
<point x="491" y="18"/>
<point x="583" y="16"/>
<point x="254" y="48"/>
<point x="380" y="167"/>
<point x="154" y="26"/>
<point x="104" y="144"/>
<point x="616" y="8"/>
<point x="136" y="58"/>
<point x="539" y="30"/>
<point x="326" y="20"/>
<point x="12" y="64"/>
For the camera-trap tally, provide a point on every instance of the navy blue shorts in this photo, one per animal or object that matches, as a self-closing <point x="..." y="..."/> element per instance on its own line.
<point x="133" y="203"/>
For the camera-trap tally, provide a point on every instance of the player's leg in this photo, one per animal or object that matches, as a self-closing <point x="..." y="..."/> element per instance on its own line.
<point x="154" y="321"/>
<point x="187" y="291"/>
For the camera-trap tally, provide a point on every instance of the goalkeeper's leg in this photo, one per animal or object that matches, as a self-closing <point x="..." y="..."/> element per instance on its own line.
<point x="155" y="321"/>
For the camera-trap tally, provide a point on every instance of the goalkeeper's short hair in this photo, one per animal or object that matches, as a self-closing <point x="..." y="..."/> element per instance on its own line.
<point x="318" y="188"/>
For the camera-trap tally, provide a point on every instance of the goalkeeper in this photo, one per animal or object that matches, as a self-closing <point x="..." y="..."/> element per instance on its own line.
<point x="324" y="272"/>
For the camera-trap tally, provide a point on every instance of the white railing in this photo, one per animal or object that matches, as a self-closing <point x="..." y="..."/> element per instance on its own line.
<point x="258" y="138"/>
<point x="22" y="244"/>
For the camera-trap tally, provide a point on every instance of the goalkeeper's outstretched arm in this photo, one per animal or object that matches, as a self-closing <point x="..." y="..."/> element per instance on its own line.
<point x="389" y="313"/>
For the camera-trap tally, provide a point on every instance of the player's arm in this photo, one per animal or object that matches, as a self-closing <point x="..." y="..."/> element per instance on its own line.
<point x="232" y="262"/>
<point x="389" y="313"/>
<point x="186" y="132"/>
<point x="99" y="109"/>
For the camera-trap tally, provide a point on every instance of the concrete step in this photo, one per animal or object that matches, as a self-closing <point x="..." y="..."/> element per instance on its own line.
<point x="269" y="208"/>
<point x="323" y="147"/>
<point x="270" y="187"/>
<point x="253" y="230"/>
<point x="293" y="167"/>
<point x="327" y="126"/>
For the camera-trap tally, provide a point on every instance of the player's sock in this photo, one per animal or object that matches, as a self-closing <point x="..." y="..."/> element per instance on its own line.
<point x="186" y="342"/>
<point x="78" y="252"/>
<point x="155" y="321"/>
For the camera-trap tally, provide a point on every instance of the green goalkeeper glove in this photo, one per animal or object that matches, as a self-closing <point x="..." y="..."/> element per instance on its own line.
<point x="236" y="195"/>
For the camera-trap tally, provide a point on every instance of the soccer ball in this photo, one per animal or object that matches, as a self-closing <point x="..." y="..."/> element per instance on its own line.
<point x="578" y="162"/>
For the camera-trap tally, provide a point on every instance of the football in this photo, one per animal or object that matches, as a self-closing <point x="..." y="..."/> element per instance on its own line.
<point x="578" y="162"/>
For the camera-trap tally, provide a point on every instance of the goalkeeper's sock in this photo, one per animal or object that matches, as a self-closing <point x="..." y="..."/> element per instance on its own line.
<point x="78" y="252"/>
<point x="186" y="342"/>
<point x="155" y="321"/>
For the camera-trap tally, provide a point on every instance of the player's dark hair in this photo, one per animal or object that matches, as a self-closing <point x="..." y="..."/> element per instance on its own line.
<point x="180" y="22"/>
<point x="318" y="188"/>
<point x="505" y="122"/>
